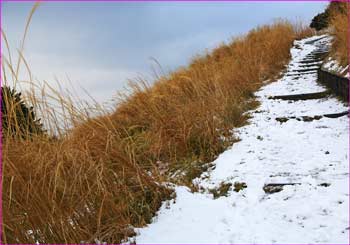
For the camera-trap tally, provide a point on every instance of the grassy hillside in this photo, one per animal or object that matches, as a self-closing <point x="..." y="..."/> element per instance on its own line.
<point x="97" y="180"/>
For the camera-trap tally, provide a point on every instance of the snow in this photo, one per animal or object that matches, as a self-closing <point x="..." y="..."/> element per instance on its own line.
<point x="333" y="66"/>
<point x="306" y="153"/>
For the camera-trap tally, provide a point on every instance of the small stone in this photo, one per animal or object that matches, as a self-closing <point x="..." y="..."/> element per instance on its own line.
<point x="282" y="119"/>
<point x="324" y="184"/>
<point x="272" y="188"/>
<point x="326" y="152"/>
<point x="276" y="187"/>
<point x="307" y="119"/>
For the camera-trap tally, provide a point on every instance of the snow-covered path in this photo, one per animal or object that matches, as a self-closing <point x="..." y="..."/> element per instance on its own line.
<point x="311" y="155"/>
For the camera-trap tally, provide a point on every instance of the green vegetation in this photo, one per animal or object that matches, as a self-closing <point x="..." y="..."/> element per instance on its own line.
<point x="18" y="119"/>
<point x="324" y="19"/>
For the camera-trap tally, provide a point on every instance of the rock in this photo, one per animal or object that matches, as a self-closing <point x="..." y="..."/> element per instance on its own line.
<point x="276" y="187"/>
<point x="324" y="184"/>
<point x="310" y="119"/>
<point x="282" y="119"/>
<point x="307" y="118"/>
<point x="269" y="189"/>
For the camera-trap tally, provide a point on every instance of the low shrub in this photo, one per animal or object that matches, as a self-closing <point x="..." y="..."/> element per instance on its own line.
<point x="18" y="119"/>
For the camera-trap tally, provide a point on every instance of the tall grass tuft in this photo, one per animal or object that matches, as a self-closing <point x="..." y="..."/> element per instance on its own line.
<point x="92" y="179"/>
<point x="340" y="30"/>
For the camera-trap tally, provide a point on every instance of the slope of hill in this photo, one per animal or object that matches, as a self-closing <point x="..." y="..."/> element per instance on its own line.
<point x="286" y="181"/>
<point x="99" y="179"/>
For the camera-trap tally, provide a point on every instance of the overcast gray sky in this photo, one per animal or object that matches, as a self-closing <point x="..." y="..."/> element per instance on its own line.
<point x="99" y="45"/>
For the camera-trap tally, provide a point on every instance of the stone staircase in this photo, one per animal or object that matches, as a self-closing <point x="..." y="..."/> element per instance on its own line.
<point x="309" y="65"/>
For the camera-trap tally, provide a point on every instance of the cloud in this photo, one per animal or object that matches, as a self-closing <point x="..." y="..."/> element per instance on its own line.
<point x="99" y="46"/>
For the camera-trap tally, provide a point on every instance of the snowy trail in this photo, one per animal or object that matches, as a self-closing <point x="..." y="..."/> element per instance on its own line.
<point x="313" y="154"/>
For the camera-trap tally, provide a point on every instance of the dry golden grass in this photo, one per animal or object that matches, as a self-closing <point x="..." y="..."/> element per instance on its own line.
<point x="340" y="23"/>
<point x="65" y="194"/>
<point x="92" y="179"/>
<point x="184" y="115"/>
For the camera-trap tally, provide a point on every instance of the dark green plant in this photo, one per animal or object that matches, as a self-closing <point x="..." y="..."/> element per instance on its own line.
<point x="18" y="119"/>
<point x="322" y="20"/>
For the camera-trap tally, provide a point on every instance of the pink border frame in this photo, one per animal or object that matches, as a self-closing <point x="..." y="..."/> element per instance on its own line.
<point x="176" y="1"/>
<point x="1" y="1"/>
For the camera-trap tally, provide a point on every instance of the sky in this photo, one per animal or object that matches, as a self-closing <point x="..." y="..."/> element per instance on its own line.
<point x="99" y="46"/>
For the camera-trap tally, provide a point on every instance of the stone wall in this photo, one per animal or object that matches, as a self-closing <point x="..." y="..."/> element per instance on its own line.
<point x="339" y="85"/>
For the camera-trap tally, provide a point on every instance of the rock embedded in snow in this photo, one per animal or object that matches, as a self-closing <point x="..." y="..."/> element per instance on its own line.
<point x="276" y="187"/>
<point x="272" y="188"/>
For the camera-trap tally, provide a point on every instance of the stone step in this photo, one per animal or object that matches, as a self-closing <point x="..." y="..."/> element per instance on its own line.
<point x="312" y="118"/>
<point x="318" y="64"/>
<point x="315" y="40"/>
<point x="304" y="70"/>
<point x="336" y="115"/>
<point x="308" y="61"/>
<point x="313" y="57"/>
<point x="302" y="118"/>
<point x="306" y="96"/>
<point x="317" y="53"/>
<point x="320" y="53"/>
<point x="300" y="74"/>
